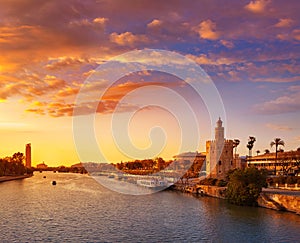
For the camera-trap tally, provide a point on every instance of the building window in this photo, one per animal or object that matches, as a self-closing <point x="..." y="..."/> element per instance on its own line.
<point x="220" y="162"/>
<point x="231" y="162"/>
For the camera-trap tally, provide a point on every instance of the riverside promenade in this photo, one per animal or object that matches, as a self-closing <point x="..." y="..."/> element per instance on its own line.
<point x="11" y="178"/>
<point x="271" y="198"/>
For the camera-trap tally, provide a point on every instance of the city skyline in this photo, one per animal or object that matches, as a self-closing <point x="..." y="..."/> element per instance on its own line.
<point x="250" y="50"/>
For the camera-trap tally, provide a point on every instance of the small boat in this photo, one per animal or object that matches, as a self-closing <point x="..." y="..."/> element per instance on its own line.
<point x="152" y="183"/>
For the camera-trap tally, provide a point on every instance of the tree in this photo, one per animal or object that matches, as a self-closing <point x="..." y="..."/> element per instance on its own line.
<point x="257" y="152"/>
<point x="236" y="143"/>
<point x="267" y="151"/>
<point x="18" y="158"/>
<point x="244" y="186"/>
<point x="277" y="142"/>
<point x="250" y="144"/>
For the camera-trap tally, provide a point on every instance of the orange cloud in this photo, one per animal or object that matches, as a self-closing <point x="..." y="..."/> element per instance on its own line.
<point x="284" y="23"/>
<point x="63" y="62"/>
<point x="205" y="60"/>
<point x="226" y="43"/>
<point x="154" y="23"/>
<point x="68" y="91"/>
<point x="100" y="21"/>
<point x="127" y="39"/>
<point x="87" y="23"/>
<point x="207" y="30"/>
<point x="257" y="6"/>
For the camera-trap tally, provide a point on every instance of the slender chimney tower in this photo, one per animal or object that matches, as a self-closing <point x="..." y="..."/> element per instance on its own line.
<point x="28" y="155"/>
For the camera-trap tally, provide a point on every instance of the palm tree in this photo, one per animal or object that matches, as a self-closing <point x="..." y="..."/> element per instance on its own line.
<point x="236" y="143"/>
<point x="277" y="142"/>
<point x="250" y="144"/>
<point x="257" y="152"/>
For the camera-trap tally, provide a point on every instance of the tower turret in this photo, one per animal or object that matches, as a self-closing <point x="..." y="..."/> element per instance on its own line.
<point x="219" y="131"/>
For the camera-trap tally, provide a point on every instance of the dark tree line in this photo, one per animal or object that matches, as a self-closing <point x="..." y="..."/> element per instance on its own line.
<point x="143" y="166"/>
<point x="13" y="165"/>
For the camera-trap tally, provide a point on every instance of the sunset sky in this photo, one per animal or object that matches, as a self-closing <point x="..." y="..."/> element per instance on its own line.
<point x="250" y="50"/>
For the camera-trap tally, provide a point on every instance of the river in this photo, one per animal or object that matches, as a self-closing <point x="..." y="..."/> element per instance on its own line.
<point x="78" y="209"/>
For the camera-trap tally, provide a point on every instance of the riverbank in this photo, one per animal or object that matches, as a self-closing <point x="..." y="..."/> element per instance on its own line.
<point x="11" y="178"/>
<point x="269" y="198"/>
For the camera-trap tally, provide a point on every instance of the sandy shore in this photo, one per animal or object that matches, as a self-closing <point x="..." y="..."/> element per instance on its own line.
<point x="10" y="178"/>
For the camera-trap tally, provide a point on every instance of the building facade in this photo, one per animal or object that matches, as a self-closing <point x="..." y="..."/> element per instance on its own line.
<point x="287" y="163"/>
<point x="219" y="154"/>
<point x="42" y="166"/>
<point x="28" y="155"/>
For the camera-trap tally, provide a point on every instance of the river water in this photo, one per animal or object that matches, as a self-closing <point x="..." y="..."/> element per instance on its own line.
<point x="78" y="209"/>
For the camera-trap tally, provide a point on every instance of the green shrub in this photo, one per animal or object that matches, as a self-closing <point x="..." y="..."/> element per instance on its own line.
<point x="209" y="181"/>
<point x="221" y="183"/>
<point x="244" y="186"/>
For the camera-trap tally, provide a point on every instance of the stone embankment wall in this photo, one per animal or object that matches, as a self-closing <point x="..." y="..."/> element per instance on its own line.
<point x="266" y="199"/>
<point x="280" y="202"/>
<point x="212" y="191"/>
<point x="11" y="178"/>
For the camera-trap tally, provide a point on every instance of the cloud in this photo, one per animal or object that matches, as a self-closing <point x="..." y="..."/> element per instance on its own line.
<point x="284" y="23"/>
<point x="207" y="30"/>
<point x="277" y="79"/>
<point x="60" y="109"/>
<point x="68" y="91"/>
<point x="226" y="43"/>
<point x="65" y="62"/>
<point x="257" y="6"/>
<point x="154" y="23"/>
<point x="280" y="105"/>
<point x="277" y="127"/>
<point x="205" y="60"/>
<point x="294" y="88"/>
<point x="287" y="36"/>
<point x="127" y="38"/>
<point x="29" y="85"/>
<point x="296" y="34"/>
<point x="100" y="20"/>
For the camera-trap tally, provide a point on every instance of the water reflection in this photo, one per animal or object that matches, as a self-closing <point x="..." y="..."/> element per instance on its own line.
<point x="78" y="209"/>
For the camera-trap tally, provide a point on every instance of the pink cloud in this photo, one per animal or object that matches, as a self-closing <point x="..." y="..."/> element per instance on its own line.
<point x="282" y="104"/>
<point x="278" y="127"/>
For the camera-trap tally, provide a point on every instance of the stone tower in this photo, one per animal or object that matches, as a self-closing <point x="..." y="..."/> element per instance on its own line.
<point x="28" y="155"/>
<point x="219" y="154"/>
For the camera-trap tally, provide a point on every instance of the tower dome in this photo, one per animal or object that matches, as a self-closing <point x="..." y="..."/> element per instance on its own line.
<point x="219" y="131"/>
<point x="219" y="122"/>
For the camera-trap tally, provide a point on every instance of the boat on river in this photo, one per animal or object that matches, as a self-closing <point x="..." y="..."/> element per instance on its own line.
<point x="152" y="183"/>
